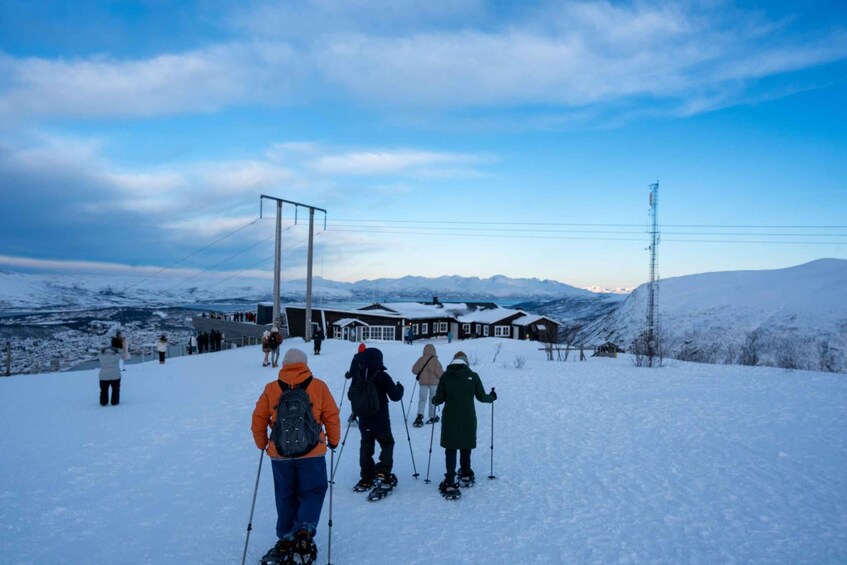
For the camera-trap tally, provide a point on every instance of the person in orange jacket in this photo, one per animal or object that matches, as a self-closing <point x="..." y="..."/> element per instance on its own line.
<point x="300" y="483"/>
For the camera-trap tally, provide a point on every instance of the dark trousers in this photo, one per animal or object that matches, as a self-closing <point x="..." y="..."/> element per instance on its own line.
<point x="299" y="489"/>
<point x="161" y="357"/>
<point x="450" y="459"/>
<point x="367" y="469"/>
<point x="104" y="392"/>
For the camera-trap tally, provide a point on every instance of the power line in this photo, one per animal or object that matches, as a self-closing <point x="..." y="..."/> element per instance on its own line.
<point x="563" y="237"/>
<point x="531" y="230"/>
<point x="573" y="224"/>
<point x="192" y="254"/>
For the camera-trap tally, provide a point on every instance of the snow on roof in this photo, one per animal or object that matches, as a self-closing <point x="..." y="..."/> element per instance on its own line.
<point x="343" y="322"/>
<point x="416" y="310"/>
<point x="490" y="315"/>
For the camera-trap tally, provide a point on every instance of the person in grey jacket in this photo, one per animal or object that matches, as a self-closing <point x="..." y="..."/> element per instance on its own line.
<point x="110" y="372"/>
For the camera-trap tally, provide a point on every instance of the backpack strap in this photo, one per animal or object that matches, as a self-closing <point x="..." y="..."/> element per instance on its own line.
<point x="301" y="386"/>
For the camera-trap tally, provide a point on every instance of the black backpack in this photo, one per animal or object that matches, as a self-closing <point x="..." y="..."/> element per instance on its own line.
<point x="363" y="395"/>
<point x="295" y="431"/>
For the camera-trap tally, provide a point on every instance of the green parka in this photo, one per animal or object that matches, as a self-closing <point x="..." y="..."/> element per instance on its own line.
<point x="456" y="390"/>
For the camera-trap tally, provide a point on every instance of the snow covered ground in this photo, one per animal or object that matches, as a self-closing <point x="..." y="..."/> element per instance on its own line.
<point x="596" y="462"/>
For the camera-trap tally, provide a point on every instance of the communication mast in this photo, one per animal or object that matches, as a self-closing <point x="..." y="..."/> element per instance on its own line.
<point x="653" y="346"/>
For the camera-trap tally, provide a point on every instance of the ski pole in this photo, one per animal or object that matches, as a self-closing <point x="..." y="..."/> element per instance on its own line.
<point x="429" y="459"/>
<point x="252" y="507"/>
<point x="491" y="476"/>
<point x="408" y="437"/>
<point x="331" y="482"/>
<point x="411" y="397"/>
<point x="332" y="475"/>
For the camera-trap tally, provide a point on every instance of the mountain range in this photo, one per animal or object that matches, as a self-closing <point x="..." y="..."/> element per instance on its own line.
<point x="21" y="292"/>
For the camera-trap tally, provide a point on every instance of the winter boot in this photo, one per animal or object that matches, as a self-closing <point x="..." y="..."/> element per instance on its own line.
<point x="304" y="549"/>
<point x="449" y="490"/>
<point x="363" y="485"/>
<point x="467" y="478"/>
<point x="418" y="423"/>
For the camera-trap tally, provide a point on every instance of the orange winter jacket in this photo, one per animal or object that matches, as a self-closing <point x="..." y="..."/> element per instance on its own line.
<point x="324" y="409"/>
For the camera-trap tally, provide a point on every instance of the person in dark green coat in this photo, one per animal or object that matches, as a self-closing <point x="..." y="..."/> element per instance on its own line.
<point x="458" y="387"/>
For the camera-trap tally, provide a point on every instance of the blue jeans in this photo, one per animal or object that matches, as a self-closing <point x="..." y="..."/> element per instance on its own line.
<point x="299" y="487"/>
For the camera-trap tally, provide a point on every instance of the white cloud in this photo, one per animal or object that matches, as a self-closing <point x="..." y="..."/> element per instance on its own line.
<point x="565" y="54"/>
<point x="384" y="162"/>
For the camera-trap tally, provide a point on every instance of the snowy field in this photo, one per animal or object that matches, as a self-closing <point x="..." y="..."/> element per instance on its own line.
<point x="596" y="462"/>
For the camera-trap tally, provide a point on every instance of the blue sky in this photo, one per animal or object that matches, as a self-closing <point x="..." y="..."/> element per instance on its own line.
<point x="465" y="137"/>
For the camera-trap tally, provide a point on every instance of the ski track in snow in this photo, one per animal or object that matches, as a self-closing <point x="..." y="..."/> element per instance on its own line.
<point x="596" y="462"/>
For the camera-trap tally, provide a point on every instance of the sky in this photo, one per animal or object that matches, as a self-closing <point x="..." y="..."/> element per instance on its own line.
<point x="465" y="138"/>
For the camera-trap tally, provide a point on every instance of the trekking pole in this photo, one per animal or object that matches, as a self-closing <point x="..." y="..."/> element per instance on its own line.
<point x="408" y="437"/>
<point x="411" y="397"/>
<point x="431" y="436"/>
<point x="343" y="390"/>
<point x="349" y="423"/>
<point x="491" y="476"/>
<point x="331" y="482"/>
<point x="252" y="507"/>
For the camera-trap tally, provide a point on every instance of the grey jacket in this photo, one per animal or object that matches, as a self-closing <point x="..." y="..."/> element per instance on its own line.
<point x="110" y="369"/>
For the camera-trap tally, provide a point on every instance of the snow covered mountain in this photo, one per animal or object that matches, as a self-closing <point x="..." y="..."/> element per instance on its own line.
<point x="35" y="291"/>
<point x="793" y="318"/>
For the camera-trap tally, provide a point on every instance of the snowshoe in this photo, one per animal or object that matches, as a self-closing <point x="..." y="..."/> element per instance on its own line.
<point x="363" y="485"/>
<point x="433" y="420"/>
<point x="449" y="491"/>
<point x="304" y="551"/>
<point x="418" y="423"/>
<point x="383" y="486"/>
<point x="278" y="554"/>
<point x="467" y="479"/>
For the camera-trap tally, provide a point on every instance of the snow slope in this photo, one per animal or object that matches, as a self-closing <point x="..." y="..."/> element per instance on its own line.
<point x="596" y="462"/>
<point x="790" y="311"/>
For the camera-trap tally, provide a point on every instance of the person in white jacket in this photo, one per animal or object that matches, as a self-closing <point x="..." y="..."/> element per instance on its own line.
<point x="110" y="372"/>
<point x="162" y="348"/>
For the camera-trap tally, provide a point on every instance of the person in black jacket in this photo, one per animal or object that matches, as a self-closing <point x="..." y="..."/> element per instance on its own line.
<point x="376" y="428"/>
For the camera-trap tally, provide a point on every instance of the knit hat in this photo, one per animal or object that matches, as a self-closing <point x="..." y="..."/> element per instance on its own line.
<point x="362" y="347"/>
<point x="293" y="355"/>
<point x="460" y="357"/>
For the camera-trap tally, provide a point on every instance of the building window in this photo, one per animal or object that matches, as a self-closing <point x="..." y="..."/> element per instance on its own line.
<point x="485" y="330"/>
<point x="466" y="328"/>
<point x="502" y="331"/>
<point x="425" y="328"/>
<point x="442" y="327"/>
<point x="379" y="333"/>
<point x="336" y="332"/>
<point x="415" y="329"/>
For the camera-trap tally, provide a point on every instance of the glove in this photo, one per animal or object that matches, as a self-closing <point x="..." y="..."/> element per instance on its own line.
<point x="400" y="386"/>
<point x="418" y="378"/>
<point x="493" y="394"/>
<point x="331" y="446"/>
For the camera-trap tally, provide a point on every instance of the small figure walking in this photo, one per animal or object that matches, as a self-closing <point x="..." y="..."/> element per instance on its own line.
<point x="275" y="340"/>
<point x="266" y="347"/>
<point x="110" y="372"/>
<point x="318" y="339"/>
<point x="162" y="348"/>
<point x="427" y="370"/>
<point x="458" y="387"/>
